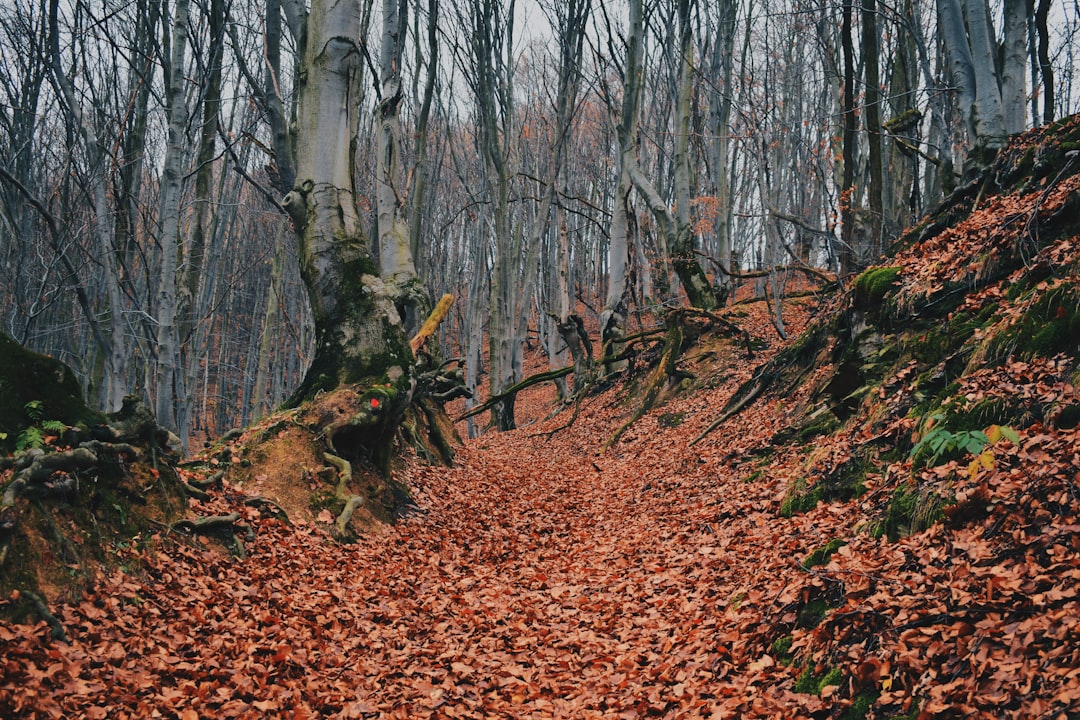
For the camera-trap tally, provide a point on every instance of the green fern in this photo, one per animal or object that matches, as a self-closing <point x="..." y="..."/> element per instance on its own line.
<point x="54" y="427"/>
<point x="35" y="410"/>
<point x="30" y="438"/>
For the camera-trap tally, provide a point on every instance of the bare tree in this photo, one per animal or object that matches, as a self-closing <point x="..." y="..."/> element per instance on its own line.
<point x="359" y="335"/>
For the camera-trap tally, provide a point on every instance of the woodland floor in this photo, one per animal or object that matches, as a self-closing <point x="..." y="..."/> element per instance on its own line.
<point x="543" y="578"/>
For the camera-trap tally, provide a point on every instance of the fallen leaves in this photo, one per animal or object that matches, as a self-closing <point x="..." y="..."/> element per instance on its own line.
<point x="657" y="580"/>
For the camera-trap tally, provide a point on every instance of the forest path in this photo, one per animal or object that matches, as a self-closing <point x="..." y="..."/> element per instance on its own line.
<point x="538" y="578"/>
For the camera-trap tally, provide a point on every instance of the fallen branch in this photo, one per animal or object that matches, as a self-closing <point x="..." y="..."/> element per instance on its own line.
<point x="753" y="274"/>
<point x="514" y="389"/>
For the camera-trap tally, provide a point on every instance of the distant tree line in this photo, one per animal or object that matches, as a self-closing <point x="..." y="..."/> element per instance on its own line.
<point x="177" y="176"/>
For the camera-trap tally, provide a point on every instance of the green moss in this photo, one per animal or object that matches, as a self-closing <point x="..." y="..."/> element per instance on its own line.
<point x="826" y="424"/>
<point x="911" y="714"/>
<point x="325" y="499"/>
<point x="821" y="555"/>
<point x="909" y="511"/>
<point x="987" y="412"/>
<point x="781" y="650"/>
<point x="807" y="683"/>
<point x="860" y="706"/>
<point x="1051" y="325"/>
<point x="873" y="285"/>
<point x="799" y="498"/>
<point x="842" y="483"/>
<point x="812" y="684"/>
<point x="812" y="613"/>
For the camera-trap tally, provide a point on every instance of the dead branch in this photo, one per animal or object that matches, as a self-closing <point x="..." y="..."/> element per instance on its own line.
<point x="432" y="323"/>
<point x="527" y="382"/>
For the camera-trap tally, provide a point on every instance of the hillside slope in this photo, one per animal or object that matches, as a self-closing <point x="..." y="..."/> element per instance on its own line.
<point x="884" y="527"/>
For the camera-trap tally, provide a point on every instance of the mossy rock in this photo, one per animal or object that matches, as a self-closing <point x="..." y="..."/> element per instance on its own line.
<point x="873" y="285"/>
<point x="26" y="376"/>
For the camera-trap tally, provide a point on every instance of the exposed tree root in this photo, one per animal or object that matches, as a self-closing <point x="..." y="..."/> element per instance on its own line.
<point x="223" y="527"/>
<point x="734" y="410"/>
<point x="665" y="369"/>
<point x="261" y="502"/>
<point x="210" y="525"/>
<point x="56" y="628"/>
<point x="346" y="515"/>
<point x="352" y="502"/>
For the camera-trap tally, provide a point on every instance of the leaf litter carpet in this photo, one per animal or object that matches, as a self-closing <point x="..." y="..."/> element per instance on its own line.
<point x="539" y="578"/>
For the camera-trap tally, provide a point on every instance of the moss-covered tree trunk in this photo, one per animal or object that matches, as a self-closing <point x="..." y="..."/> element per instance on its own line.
<point x="359" y="336"/>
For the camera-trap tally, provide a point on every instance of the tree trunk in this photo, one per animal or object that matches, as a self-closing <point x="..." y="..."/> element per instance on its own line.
<point x="1013" y="66"/>
<point x="1045" y="68"/>
<point x="699" y="291"/>
<point x="847" y="252"/>
<point x="114" y="347"/>
<point x="613" y="316"/>
<point x="873" y="124"/>
<point x="395" y="240"/>
<point x="358" y="332"/>
<point x="170" y="394"/>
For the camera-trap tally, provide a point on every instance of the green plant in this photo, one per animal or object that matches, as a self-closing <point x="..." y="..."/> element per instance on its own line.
<point x="34" y="434"/>
<point x="939" y="444"/>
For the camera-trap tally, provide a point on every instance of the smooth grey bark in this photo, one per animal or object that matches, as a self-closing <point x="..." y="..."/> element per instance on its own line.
<point x="720" y="105"/>
<point x="966" y="30"/>
<point x="490" y="26"/>
<point x="1014" y="66"/>
<point x="699" y="291"/>
<point x="395" y="240"/>
<point x="358" y="331"/>
<point x="281" y="136"/>
<point x="418" y="193"/>
<point x="614" y="314"/>
<point x="170" y="395"/>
